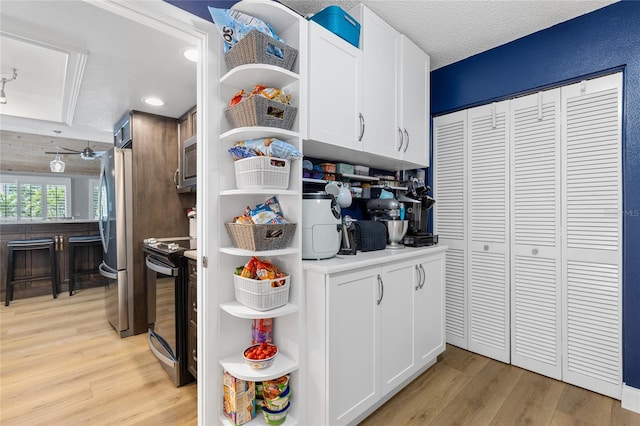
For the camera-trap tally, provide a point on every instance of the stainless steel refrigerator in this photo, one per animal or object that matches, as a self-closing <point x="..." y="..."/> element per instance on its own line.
<point x="115" y="223"/>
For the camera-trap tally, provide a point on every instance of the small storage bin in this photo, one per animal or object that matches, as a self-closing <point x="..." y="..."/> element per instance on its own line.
<point x="260" y="111"/>
<point x="339" y="22"/>
<point x="328" y="167"/>
<point x="253" y="49"/>
<point x="262" y="172"/>
<point x="261" y="237"/>
<point x="344" y="168"/>
<point x="262" y="295"/>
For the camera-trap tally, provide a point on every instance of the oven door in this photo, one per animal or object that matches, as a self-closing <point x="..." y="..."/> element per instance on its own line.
<point x="164" y="306"/>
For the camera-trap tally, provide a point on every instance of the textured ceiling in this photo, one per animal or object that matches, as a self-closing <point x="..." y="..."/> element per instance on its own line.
<point x="450" y="30"/>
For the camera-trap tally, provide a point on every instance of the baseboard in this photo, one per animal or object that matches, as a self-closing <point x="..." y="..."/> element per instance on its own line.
<point x="630" y="398"/>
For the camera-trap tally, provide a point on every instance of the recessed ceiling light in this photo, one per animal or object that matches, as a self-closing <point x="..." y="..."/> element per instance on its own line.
<point x="153" y="101"/>
<point x="191" y="53"/>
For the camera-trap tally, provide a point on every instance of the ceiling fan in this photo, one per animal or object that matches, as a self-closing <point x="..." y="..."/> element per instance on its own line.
<point x="86" y="154"/>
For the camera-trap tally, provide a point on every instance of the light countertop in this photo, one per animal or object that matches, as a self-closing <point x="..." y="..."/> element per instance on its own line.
<point x="342" y="263"/>
<point x="191" y="254"/>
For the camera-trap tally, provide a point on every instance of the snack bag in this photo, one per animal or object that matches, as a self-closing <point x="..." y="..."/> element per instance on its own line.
<point x="234" y="25"/>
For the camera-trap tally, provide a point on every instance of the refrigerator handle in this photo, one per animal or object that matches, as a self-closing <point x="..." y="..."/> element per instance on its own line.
<point x="106" y="272"/>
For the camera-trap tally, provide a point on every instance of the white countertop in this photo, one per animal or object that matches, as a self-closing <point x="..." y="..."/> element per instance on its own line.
<point x="191" y="254"/>
<point x="47" y="222"/>
<point x="342" y="263"/>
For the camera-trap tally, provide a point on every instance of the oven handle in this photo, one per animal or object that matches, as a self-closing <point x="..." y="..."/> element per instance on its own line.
<point x="161" y="268"/>
<point x="171" y="362"/>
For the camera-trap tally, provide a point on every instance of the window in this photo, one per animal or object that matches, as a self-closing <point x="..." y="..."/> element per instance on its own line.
<point x="94" y="198"/>
<point x="34" y="197"/>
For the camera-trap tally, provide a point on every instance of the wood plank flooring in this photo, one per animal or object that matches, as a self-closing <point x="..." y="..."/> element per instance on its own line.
<point x="61" y="363"/>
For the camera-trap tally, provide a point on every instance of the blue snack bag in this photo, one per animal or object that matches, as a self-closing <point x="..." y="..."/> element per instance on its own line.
<point x="234" y="25"/>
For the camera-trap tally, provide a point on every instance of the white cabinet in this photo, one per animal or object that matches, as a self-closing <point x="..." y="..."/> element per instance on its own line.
<point x="395" y="85"/>
<point x="428" y="311"/>
<point x="353" y="342"/>
<point x="368" y="104"/>
<point x="373" y="326"/>
<point x="335" y="111"/>
<point x="414" y="98"/>
<point x="380" y="44"/>
<point x="397" y="285"/>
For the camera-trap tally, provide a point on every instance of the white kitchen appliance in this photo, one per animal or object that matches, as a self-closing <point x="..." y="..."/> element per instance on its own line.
<point x="321" y="226"/>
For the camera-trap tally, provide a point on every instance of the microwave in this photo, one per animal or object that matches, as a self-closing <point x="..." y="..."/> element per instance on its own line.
<point x="187" y="164"/>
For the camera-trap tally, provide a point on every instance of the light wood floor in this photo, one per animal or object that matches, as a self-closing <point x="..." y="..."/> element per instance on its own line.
<point x="61" y="363"/>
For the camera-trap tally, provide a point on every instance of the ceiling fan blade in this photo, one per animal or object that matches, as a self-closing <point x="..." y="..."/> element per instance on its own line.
<point x="72" y="151"/>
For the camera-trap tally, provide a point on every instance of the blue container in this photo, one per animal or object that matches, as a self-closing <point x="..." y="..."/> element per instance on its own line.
<point x="339" y="22"/>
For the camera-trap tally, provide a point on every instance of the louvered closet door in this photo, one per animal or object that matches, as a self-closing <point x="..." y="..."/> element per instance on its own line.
<point x="592" y="223"/>
<point x="535" y="233"/>
<point x="488" y="224"/>
<point x="449" y="171"/>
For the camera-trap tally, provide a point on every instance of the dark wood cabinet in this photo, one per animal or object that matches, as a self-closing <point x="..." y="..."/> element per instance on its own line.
<point x="187" y="124"/>
<point x="192" y="309"/>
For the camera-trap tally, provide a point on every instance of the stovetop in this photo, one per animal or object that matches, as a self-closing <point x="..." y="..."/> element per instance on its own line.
<point x="167" y="248"/>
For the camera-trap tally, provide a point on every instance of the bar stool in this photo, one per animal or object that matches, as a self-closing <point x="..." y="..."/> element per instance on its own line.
<point x="29" y="246"/>
<point x="74" y="243"/>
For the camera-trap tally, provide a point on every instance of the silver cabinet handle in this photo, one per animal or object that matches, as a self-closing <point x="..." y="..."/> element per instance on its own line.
<point x="401" y="139"/>
<point x="175" y="177"/>
<point x="194" y="355"/>
<point x="361" y="126"/>
<point x="381" y="286"/>
<point x="195" y="307"/>
<point x="424" y="276"/>
<point x="407" y="137"/>
<point x="419" y="277"/>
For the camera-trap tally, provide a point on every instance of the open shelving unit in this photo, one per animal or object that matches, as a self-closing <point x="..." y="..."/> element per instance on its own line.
<point x="234" y="331"/>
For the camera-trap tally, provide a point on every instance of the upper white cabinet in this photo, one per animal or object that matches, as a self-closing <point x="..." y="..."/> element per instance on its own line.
<point x="370" y="104"/>
<point x="380" y="44"/>
<point x="414" y="103"/>
<point x="334" y="90"/>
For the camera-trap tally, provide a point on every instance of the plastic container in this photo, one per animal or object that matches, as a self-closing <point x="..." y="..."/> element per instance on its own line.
<point x="262" y="173"/>
<point x="328" y="167"/>
<point x="339" y="22"/>
<point x="275" y="387"/>
<point x="275" y="418"/>
<point x="261" y="330"/>
<point x="279" y="402"/>
<point x="259" y="294"/>
<point x="261" y="237"/>
<point x="344" y="168"/>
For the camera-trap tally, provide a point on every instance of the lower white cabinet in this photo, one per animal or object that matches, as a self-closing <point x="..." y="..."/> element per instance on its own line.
<point x="373" y="326"/>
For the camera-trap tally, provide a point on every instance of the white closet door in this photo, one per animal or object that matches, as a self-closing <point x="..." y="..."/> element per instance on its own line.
<point x="535" y="233"/>
<point x="449" y="183"/>
<point x="488" y="224"/>
<point x="592" y="224"/>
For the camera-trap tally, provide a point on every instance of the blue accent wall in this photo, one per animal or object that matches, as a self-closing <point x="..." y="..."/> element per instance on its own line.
<point x="591" y="44"/>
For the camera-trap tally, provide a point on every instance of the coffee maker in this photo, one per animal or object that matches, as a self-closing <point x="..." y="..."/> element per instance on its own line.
<point x="418" y="202"/>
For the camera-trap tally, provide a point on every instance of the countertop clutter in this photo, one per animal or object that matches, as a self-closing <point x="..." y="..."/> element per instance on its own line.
<point x="340" y="263"/>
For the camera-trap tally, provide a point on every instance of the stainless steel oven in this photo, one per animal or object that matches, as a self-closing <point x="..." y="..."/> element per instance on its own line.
<point x="167" y="287"/>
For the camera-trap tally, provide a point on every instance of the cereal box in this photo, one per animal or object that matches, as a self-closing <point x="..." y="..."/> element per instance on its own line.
<point x="239" y="399"/>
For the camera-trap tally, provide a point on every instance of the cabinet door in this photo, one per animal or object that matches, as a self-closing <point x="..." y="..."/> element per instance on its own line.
<point x="334" y="92"/>
<point x="488" y="184"/>
<point x="379" y="73"/>
<point x="396" y="323"/>
<point x="353" y="366"/>
<point x="535" y="233"/>
<point x="592" y="231"/>
<point x="414" y="106"/>
<point x="429" y="339"/>
<point x="450" y="220"/>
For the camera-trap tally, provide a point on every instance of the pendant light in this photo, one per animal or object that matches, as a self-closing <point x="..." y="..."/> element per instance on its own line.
<point x="3" y="81"/>
<point x="57" y="165"/>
